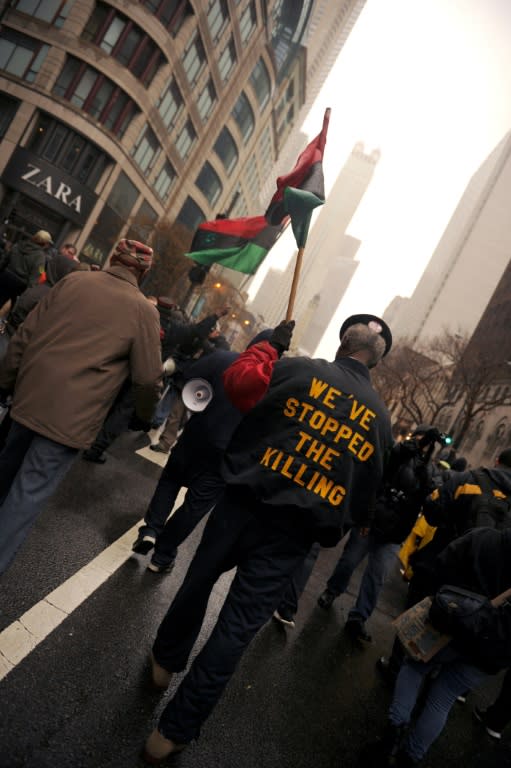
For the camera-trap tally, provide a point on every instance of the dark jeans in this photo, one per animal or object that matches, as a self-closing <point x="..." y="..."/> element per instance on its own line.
<point x="380" y="556"/>
<point x="266" y="553"/>
<point x="31" y="468"/>
<point x="190" y="468"/>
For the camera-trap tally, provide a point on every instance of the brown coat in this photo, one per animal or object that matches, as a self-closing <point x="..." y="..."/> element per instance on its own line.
<point x="71" y="355"/>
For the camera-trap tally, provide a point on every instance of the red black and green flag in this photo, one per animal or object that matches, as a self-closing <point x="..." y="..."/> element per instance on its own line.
<point x="239" y="244"/>
<point x="301" y="190"/>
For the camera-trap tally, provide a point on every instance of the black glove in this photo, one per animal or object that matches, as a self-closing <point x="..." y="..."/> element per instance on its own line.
<point x="139" y="425"/>
<point x="281" y="336"/>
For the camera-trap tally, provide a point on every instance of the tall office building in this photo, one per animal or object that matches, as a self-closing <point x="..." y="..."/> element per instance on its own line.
<point x="469" y="260"/>
<point x="114" y="115"/>
<point x="329" y="27"/>
<point x="329" y="258"/>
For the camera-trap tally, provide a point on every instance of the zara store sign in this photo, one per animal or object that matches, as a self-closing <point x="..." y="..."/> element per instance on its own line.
<point x="49" y="185"/>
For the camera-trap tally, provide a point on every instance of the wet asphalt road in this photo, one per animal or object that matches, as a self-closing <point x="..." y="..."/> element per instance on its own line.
<point x="300" y="698"/>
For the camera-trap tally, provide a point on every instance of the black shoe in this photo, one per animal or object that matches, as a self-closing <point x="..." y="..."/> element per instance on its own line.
<point x="480" y="715"/>
<point x="157" y="568"/>
<point x="158" y="448"/>
<point x="283" y="617"/>
<point x="356" y="630"/>
<point x="90" y="455"/>
<point x="326" y="599"/>
<point x="144" y="544"/>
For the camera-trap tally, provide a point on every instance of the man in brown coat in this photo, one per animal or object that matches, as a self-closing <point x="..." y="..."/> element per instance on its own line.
<point x="64" y="366"/>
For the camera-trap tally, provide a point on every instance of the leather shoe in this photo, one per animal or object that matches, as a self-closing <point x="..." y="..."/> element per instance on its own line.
<point x="93" y="456"/>
<point x="157" y="748"/>
<point x="161" y="678"/>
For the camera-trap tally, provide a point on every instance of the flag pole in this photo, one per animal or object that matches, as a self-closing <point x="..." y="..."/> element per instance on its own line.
<point x="294" y="284"/>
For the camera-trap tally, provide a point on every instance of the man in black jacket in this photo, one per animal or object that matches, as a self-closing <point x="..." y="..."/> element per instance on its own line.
<point x="311" y="445"/>
<point x="195" y="463"/>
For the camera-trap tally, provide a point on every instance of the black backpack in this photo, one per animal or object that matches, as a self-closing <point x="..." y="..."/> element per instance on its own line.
<point x="486" y="509"/>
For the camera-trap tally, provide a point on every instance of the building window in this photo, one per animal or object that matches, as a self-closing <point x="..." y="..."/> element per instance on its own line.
<point x="244" y="116"/>
<point x="226" y="149"/>
<point x="186" y="139"/>
<point x="52" y="11"/>
<point x="194" y="60"/>
<point x="20" y="55"/>
<point x="206" y="101"/>
<point x="123" y="195"/>
<point x="190" y="215"/>
<point x="217" y="18"/>
<point x="170" y="13"/>
<point x="146" y="150"/>
<point x="209" y="183"/>
<point x="171" y="104"/>
<point x="8" y="109"/>
<point x="164" y="181"/>
<point x="125" y="41"/>
<point x="261" y="83"/>
<point x="88" y="89"/>
<point x="248" y="22"/>
<point x="64" y="148"/>
<point x="227" y="60"/>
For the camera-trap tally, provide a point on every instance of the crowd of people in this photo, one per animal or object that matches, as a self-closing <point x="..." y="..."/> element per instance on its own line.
<point x="291" y="454"/>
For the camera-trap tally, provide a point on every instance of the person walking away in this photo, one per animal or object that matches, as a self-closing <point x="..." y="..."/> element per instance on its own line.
<point x="311" y="444"/>
<point x="72" y="342"/>
<point x="408" y="480"/>
<point x="26" y="263"/>
<point x="195" y="463"/>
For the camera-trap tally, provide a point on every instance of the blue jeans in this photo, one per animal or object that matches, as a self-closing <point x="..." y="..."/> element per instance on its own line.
<point x="380" y="555"/>
<point x="455" y="677"/>
<point x="164" y="406"/>
<point x="31" y="468"/>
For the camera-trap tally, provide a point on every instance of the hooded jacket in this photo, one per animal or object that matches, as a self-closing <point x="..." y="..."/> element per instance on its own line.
<point x="27" y="260"/>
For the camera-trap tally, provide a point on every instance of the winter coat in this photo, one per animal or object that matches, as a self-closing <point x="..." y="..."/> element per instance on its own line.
<point x="314" y="440"/>
<point x="68" y="360"/>
<point x="27" y="260"/>
<point x="480" y="561"/>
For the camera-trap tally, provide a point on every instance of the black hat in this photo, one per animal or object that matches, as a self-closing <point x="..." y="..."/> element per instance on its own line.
<point x="375" y="323"/>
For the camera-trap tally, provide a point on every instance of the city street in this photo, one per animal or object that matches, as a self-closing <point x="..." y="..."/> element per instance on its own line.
<point x="78" y="614"/>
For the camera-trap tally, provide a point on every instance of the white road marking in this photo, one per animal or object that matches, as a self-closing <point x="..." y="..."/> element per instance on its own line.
<point x="22" y="636"/>
<point x="154" y="456"/>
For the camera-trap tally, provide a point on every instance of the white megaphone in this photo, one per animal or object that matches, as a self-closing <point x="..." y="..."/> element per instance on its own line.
<point x="197" y="394"/>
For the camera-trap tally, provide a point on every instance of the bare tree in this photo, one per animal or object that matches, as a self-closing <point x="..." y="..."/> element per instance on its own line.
<point x="477" y="382"/>
<point x="427" y="385"/>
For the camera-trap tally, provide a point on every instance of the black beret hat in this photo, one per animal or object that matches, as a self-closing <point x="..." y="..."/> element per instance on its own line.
<point x="375" y="323"/>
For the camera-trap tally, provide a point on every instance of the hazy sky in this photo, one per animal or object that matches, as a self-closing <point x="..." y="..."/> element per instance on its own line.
<point x="428" y="82"/>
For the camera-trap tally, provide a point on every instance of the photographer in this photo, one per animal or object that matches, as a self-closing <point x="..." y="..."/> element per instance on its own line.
<point x="408" y="480"/>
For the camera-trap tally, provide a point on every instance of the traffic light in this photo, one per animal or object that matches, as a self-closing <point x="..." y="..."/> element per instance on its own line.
<point x="446" y="439"/>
